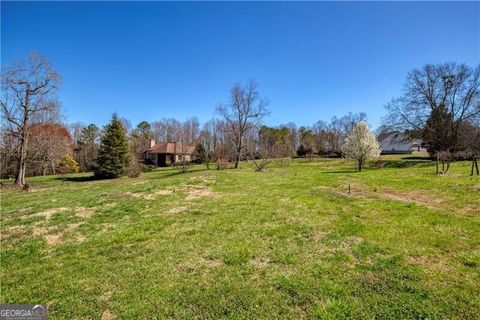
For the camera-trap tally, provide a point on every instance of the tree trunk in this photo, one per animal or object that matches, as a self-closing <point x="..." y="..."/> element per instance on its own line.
<point x="436" y="166"/>
<point x="22" y="162"/>
<point x="359" y="165"/>
<point x="237" y="156"/>
<point x="473" y="165"/>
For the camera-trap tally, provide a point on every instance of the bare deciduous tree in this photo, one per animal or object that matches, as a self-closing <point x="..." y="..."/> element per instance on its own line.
<point x="453" y="87"/>
<point x="471" y="138"/>
<point x="49" y="144"/>
<point x="270" y="143"/>
<point x="28" y="89"/>
<point x="166" y="130"/>
<point x="245" y="110"/>
<point x="188" y="138"/>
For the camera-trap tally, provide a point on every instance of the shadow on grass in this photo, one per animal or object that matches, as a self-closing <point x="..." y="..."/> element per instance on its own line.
<point x="160" y="175"/>
<point x="178" y="172"/>
<point x="342" y="171"/>
<point x="406" y="163"/>
<point x="425" y="158"/>
<point x="79" y="179"/>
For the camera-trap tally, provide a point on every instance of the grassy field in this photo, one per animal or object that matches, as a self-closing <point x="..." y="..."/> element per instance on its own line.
<point x="290" y="242"/>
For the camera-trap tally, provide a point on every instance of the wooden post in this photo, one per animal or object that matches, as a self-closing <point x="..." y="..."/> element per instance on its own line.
<point x="473" y="165"/>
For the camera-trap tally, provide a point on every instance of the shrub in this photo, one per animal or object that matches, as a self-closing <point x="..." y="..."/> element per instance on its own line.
<point x="134" y="170"/>
<point x="303" y="151"/>
<point x="68" y="164"/>
<point x="200" y="154"/>
<point x="222" y="164"/>
<point x="147" y="167"/>
<point x="379" y="164"/>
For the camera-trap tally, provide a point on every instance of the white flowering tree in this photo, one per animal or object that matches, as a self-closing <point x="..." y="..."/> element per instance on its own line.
<point x="361" y="144"/>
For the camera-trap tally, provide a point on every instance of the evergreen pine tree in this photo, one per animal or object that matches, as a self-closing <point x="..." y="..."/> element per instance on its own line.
<point x="200" y="154"/>
<point x="439" y="131"/>
<point x="114" y="154"/>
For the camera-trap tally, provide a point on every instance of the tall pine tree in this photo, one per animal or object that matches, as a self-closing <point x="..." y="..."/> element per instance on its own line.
<point x="440" y="131"/>
<point x="113" y="155"/>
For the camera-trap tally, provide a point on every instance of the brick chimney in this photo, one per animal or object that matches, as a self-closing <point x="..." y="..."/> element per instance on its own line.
<point x="152" y="143"/>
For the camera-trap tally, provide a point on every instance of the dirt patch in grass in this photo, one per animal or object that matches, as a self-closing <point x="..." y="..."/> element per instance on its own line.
<point x="212" y="262"/>
<point x="345" y="246"/>
<point x="72" y="226"/>
<point x="425" y="199"/>
<point x="162" y="192"/>
<point x="106" y="296"/>
<point x="205" y="263"/>
<point x="107" y="315"/>
<point x="204" y="178"/>
<point x="134" y="195"/>
<point x="83" y="212"/>
<point x="53" y="239"/>
<point x="319" y="235"/>
<point x="39" y="231"/>
<point x="56" y="238"/>
<point x="14" y="232"/>
<point x="80" y="238"/>
<point x="260" y="262"/>
<point x="196" y="192"/>
<point x="431" y="262"/>
<point x="47" y="214"/>
<point x="148" y="196"/>
<point x="176" y="210"/>
<point x="107" y="226"/>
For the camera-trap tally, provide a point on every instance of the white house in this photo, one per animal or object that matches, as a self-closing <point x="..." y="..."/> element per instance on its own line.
<point x="397" y="142"/>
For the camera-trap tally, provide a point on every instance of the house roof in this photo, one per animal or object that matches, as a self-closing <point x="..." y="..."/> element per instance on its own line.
<point x="172" y="148"/>
<point x="394" y="135"/>
<point x="397" y="137"/>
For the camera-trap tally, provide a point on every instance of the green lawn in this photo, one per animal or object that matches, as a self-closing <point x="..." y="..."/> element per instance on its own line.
<point x="289" y="243"/>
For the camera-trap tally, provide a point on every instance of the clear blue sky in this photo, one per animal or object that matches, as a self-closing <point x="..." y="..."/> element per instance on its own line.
<point x="313" y="60"/>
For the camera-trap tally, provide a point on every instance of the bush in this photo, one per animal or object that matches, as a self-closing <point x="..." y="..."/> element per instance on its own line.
<point x="200" y="154"/>
<point x="222" y="164"/>
<point x="147" y="167"/>
<point x="379" y="164"/>
<point x="68" y="164"/>
<point x="134" y="170"/>
<point x="183" y="166"/>
<point x="303" y="151"/>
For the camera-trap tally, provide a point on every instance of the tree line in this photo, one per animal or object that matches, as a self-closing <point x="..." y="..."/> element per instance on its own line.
<point x="439" y="105"/>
